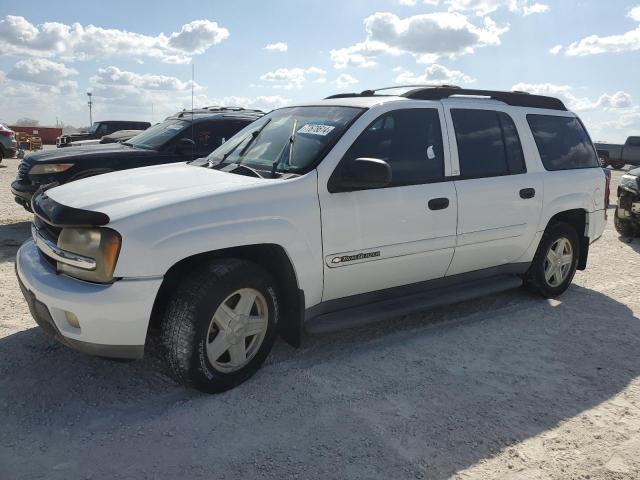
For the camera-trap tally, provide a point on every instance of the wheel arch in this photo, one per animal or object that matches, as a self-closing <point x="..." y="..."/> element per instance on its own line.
<point x="272" y="257"/>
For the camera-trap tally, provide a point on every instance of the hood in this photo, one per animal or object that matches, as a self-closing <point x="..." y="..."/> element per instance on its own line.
<point x="635" y="171"/>
<point x="78" y="152"/>
<point x="128" y="192"/>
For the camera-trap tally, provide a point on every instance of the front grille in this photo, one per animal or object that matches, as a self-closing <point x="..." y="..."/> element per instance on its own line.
<point x="49" y="231"/>
<point x="23" y="170"/>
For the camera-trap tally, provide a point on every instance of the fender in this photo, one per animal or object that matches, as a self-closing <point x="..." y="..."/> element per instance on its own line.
<point x="563" y="203"/>
<point x="156" y="240"/>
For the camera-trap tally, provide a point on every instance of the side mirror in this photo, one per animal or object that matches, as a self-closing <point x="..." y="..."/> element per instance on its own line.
<point x="362" y="174"/>
<point x="185" y="145"/>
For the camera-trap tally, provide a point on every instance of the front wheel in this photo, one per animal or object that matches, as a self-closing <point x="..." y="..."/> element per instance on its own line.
<point x="624" y="227"/>
<point x="220" y="324"/>
<point x="555" y="262"/>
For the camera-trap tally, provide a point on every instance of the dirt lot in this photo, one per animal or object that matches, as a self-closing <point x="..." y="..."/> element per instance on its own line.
<point x="508" y="387"/>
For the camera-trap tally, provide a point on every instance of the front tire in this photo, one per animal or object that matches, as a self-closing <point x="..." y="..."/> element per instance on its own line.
<point x="624" y="227"/>
<point x="220" y="324"/>
<point x="555" y="262"/>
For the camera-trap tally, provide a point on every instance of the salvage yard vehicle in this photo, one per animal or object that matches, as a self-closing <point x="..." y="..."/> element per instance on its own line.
<point x="180" y="137"/>
<point x="99" y="130"/>
<point x="115" y="137"/>
<point x="627" y="216"/>
<point x="314" y="218"/>
<point x="8" y="143"/>
<point x="620" y="155"/>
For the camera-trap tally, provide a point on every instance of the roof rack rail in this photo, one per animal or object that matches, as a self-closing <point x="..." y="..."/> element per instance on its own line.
<point x="517" y="99"/>
<point x="440" y="92"/>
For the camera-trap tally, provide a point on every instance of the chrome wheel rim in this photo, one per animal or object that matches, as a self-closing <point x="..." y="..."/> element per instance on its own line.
<point x="237" y="330"/>
<point x="557" y="264"/>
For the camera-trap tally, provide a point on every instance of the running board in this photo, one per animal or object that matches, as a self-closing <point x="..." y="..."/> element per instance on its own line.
<point x="400" y="306"/>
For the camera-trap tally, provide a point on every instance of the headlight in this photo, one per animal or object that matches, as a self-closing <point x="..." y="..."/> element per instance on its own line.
<point x="49" y="168"/>
<point x="630" y="182"/>
<point x="99" y="244"/>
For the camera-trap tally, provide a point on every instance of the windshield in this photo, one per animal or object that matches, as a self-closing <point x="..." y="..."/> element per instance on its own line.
<point x="286" y="140"/>
<point x="155" y="137"/>
<point x="93" y="128"/>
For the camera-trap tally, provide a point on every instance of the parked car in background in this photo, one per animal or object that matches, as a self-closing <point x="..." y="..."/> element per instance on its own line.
<point x="181" y="137"/>
<point x="99" y="130"/>
<point x="627" y="216"/>
<point x="115" y="137"/>
<point x="8" y="143"/>
<point x="620" y="155"/>
<point x="317" y="217"/>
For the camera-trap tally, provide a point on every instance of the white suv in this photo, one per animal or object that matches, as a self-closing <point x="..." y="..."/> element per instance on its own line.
<point x="316" y="217"/>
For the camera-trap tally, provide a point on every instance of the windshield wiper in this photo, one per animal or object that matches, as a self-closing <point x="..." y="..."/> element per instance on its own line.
<point x="291" y="144"/>
<point x="252" y="138"/>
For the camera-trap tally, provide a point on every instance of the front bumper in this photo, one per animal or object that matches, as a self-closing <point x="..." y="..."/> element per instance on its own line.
<point x="23" y="193"/>
<point x="113" y="318"/>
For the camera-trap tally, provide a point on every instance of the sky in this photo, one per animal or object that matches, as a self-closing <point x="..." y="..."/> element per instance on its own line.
<point x="136" y="57"/>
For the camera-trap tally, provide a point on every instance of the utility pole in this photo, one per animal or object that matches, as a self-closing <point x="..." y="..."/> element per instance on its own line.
<point x="90" y="103"/>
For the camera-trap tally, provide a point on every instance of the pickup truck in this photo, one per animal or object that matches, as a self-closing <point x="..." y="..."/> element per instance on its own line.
<point x="99" y="130"/>
<point x="619" y="155"/>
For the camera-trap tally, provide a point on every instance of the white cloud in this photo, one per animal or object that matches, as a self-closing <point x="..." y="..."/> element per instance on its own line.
<point x="262" y="102"/>
<point x="345" y="80"/>
<point x="412" y="3"/>
<point x="114" y="76"/>
<point x="41" y="71"/>
<point x="595" y="44"/>
<point x="535" y="8"/>
<point x="288" y="78"/>
<point x="555" y="49"/>
<point x="427" y="37"/>
<point x="433" y="74"/>
<point x="482" y="7"/>
<point x="277" y="47"/>
<point x="78" y="42"/>
<point x="616" y="101"/>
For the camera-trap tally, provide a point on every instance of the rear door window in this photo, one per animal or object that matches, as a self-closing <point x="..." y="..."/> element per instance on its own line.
<point x="488" y="144"/>
<point x="563" y="142"/>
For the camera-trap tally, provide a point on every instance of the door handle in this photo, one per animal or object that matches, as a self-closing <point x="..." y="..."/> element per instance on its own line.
<point x="438" y="203"/>
<point x="527" y="193"/>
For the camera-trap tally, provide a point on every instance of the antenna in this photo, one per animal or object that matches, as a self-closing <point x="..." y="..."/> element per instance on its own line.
<point x="193" y="138"/>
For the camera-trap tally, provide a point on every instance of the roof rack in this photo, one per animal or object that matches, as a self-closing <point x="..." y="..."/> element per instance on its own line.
<point x="216" y="109"/>
<point x="440" y="92"/>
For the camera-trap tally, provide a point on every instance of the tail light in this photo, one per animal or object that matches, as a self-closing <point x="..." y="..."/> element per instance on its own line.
<point x="607" y="191"/>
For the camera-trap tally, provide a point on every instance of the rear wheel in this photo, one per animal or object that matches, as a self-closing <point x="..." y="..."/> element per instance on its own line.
<point x="555" y="262"/>
<point x="220" y="324"/>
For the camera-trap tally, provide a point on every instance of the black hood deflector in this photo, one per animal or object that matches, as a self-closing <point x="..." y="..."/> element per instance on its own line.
<point x="58" y="215"/>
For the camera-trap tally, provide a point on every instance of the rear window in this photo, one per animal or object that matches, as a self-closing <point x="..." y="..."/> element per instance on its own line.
<point x="563" y="142"/>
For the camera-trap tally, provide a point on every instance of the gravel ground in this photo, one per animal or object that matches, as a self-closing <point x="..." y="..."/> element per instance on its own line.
<point x="508" y="387"/>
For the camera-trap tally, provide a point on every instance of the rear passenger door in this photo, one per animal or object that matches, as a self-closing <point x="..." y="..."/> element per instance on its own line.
<point x="499" y="203"/>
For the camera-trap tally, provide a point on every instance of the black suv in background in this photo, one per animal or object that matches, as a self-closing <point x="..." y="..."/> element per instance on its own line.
<point x="180" y="137"/>
<point x="99" y="130"/>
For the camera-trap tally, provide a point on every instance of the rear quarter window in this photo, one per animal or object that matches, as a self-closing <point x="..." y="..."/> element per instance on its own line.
<point x="563" y="142"/>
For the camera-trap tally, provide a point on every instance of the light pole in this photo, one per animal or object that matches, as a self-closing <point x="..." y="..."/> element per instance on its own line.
<point x="90" y="103"/>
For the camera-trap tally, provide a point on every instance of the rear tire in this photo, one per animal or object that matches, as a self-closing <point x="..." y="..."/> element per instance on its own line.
<point x="555" y="262"/>
<point x="624" y="227"/>
<point x="208" y="325"/>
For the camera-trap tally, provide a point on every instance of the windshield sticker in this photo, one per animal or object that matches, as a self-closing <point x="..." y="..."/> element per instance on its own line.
<point x="322" y="130"/>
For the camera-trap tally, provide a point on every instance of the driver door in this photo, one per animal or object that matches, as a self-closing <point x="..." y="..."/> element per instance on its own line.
<point x="401" y="234"/>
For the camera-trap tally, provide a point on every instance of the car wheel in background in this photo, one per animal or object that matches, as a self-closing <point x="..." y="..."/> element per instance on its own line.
<point x="555" y="261"/>
<point x="220" y="324"/>
<point x="617" y="165"/>
<point x="624" y="227"/>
